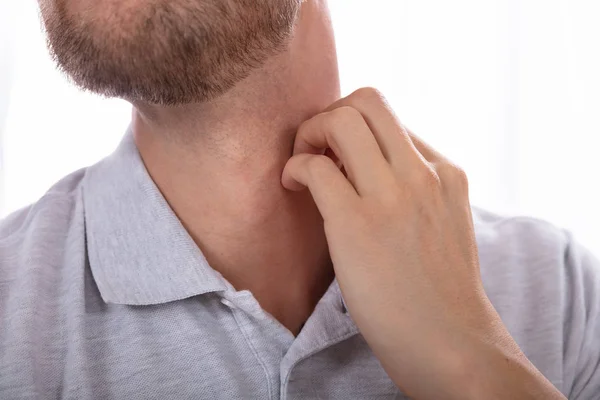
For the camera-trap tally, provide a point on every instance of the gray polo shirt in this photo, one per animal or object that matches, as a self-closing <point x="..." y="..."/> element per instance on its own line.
<point x="103" y="295"/>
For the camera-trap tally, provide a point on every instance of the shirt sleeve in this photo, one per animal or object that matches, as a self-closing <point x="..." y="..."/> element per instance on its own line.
<point x="581" y="371"/>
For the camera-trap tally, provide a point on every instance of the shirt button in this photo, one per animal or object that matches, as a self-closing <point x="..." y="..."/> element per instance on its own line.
<point x="228" y="303"/>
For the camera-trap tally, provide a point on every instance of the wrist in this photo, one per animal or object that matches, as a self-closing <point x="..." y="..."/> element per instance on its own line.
<point x="499" y="370"/>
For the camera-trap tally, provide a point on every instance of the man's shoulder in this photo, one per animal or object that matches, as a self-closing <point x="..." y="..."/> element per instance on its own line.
<point x="535" y="273"/>
<point x="42" y="230"/>
<point x="520" y="253"/>
<point x="519" y="237"/>
<point x="532" y="258"/>
<point x="546" y="288"/>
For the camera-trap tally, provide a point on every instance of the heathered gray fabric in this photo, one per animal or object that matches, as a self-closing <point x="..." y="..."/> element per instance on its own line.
<point x="103" y="295"/>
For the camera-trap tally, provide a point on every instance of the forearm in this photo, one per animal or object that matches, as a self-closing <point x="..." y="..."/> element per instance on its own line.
<point x="467" y="366"/>
<point x="503" y="372"/>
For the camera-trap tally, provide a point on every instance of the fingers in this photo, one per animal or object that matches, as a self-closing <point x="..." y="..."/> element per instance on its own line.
<point x="332" y="192"/>
<point x="428" y="152"/>
<point x="393" y="139"/>
<point x="374" y="148"/>
<point x="452" y="177"/>
<point x="345" y="131"/>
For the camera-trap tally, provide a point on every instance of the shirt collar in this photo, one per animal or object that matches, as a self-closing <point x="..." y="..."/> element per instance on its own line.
<point x="139" y="252"/>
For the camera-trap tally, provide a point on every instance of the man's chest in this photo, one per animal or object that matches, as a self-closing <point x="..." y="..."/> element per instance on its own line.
<point x="183" y="351"/>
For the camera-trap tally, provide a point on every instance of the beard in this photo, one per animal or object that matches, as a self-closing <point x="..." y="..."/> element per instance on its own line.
<point x="167" y="52"/>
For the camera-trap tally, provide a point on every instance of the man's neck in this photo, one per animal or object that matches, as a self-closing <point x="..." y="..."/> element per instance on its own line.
<point x="219" y="165"/>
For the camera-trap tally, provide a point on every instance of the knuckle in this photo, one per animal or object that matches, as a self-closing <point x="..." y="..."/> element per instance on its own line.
<point x="427" y="177"/>
<point x="341" y="119"/>
<point x="453" y="175"/>
<point x="370" y="94"/>
<point x="306" y="124"/>
<point x="317" y="164"/>
<point x="344" y="115"/>
<point x="462" y="178"/>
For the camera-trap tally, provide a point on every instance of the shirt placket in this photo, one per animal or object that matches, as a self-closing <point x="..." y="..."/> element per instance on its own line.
<point x="329" y="324"/>
<point x="266" y="337"/>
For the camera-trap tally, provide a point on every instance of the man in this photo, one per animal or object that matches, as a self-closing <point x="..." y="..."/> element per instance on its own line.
<point x="193" y="262"/>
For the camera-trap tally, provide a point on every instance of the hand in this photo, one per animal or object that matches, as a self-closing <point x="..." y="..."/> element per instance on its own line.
<point x="400" y="233"/>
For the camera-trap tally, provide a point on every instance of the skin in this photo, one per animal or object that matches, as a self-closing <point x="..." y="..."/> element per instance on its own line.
<point x="224" y="180"/>
<point x="385" y="213"/>
<point x="400" y="231"/>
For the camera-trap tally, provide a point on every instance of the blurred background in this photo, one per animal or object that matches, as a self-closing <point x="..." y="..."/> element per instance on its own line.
<point x="508" y="89"/>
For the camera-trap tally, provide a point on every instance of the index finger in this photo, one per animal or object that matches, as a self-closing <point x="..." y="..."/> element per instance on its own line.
<point x="344" y="131"/>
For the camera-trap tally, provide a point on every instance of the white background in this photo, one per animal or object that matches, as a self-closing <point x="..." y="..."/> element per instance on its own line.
<point x="509" y="89"/>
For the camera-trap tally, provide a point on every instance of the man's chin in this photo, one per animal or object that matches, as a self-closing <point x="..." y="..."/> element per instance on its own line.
<point x="162" y="52"/>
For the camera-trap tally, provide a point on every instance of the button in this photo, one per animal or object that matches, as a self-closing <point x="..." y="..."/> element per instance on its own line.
<point x="228" y="303"/>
